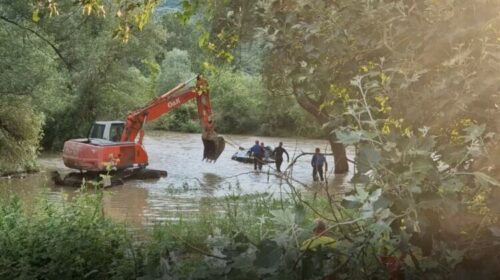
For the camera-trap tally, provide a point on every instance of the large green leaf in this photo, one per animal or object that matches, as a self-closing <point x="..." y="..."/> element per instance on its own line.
<point x="268" y="256"/>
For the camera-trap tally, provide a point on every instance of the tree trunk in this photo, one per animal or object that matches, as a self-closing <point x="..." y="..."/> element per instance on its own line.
<point x="338" y="149"/>
<point x="339" y="156"/>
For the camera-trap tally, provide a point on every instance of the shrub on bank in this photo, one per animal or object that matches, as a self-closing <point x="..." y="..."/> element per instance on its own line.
<point x="73" y="240"/>
<point x="20" y="133"/>
<point x="70" y="241"/>
<point x="236" y="237"/>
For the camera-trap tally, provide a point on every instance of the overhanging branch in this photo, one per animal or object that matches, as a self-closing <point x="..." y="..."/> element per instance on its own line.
<point x="56" y="50"/>
<point x="309" y="105"/>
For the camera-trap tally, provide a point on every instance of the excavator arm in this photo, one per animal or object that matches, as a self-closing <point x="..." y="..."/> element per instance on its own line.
<point x="213" y="144"/>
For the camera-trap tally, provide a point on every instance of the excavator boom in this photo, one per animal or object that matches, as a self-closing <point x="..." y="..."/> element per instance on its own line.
<point x="213" y="144"/>
<point x="115" y="143"/>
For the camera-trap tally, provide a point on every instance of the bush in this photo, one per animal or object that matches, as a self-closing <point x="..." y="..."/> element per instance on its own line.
<point x="175" y="69"/>
<point x="20" y="133"/>
<point x="237" y="99"/>
<point x="125" y="93"/>
<point x="183" y="119"/>
<point x="72" y="241"/>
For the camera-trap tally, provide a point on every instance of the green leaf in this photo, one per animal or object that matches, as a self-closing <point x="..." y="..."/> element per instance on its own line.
<point x="473" y="132"/>
<point x="455" y="256"/>
<point x="415" y="189"/>
<point x="268" y="254"/>
<point x="349" y="137"/>
<point x="283" y="217"/>
<point x="360" y="196"/>
<point x="203" y="39"/>
<point x="300" y="214"/>
<point x="348" y="204"/>
<point x="481" y="177"/>
<point x="382" y="202"/>
<point x="367" y="158"/>
<point x="374" y="196"/>
<point x="35" y="17"/>
<point x="360" y="179"/>
<point x="453" y="184"/>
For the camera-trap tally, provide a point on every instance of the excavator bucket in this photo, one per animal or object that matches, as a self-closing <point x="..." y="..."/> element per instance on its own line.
<point x="213" y="148"/>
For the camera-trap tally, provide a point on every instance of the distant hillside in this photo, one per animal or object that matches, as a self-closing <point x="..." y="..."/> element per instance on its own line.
<point x="168" y="6"/>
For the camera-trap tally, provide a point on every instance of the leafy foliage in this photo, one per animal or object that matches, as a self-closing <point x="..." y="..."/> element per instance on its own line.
<point x="416" y="200"/>
<point x="70" y="241"/>
<point x="27" y="91"/>
<point x="238" y="99"/>
<point x="74" y="71"/>
<point x="133" y="14"/>
<point x="74" y="77"/>
<point x="411" y="84"/>
<point x="74" y="240"/>
<point x="20" y="133"/>
<point x="175" y="69"/>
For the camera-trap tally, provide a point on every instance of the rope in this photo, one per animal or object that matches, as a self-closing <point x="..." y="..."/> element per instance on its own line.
<point x="232" y="143"/>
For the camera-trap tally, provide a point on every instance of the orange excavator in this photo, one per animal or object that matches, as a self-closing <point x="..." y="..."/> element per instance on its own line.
<point x="119" y="144"/>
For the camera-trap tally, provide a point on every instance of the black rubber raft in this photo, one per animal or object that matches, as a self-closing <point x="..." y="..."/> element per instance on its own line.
<point x="244" y="156"/>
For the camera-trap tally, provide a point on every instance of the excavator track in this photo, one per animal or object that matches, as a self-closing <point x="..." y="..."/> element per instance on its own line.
<point x="77" y="179"/>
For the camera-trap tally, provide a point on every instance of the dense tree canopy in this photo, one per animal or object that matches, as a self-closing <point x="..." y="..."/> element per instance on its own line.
<point x="315" y="49"/>
<point x="77" y="62"/>
<point x="69" y="69"/>
<point x="412" y="85"/>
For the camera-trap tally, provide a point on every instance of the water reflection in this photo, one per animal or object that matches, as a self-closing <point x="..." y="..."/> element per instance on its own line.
<point x="212" y="180"/>
<point x="126" y="204"/>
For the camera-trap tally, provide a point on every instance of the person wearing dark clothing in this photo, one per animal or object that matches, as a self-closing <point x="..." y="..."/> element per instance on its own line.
<point x="261" y="156"/>
<point x="258" y="153"/>
<point x="317" y="162"/>
<point x="278" y="156"/>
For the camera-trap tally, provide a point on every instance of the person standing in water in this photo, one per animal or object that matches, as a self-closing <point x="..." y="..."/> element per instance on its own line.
<point x="278" y="156"/>
<point x="255" y="151"/>
<point x="265" y="156"/>
<point x="317" y="162"/>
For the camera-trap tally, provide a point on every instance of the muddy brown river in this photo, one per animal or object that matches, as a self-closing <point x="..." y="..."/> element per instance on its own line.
<point x="190" y="181"/>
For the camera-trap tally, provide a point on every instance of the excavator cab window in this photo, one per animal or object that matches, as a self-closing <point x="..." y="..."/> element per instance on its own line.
<point x="116" y="132"/>
<point x="97" y="131"/>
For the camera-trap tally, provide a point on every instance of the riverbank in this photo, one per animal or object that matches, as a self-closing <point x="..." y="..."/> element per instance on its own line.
<point x="235" y="236"/>
<point x="75" y="240"/>
<point x="19" y="172"/>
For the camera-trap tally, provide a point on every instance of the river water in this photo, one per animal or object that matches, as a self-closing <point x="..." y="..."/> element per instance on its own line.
<point x="190" y="181"/>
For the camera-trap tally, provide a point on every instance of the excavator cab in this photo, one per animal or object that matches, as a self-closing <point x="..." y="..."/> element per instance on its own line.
<point x="109" y="130"/>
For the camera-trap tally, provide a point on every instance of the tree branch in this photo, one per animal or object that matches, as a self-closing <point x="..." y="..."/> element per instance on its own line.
<point x="56" y="50"/>
<point x="309" y="105"/>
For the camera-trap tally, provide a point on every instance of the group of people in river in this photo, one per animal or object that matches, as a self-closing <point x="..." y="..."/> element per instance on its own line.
<point x="260" y="156"/>
<point x="258" y="151"/>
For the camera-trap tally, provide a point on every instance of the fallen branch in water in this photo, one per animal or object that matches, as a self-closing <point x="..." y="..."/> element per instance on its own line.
<point x="294" y="160"/>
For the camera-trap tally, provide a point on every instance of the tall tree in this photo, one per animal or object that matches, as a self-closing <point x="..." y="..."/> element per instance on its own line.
<point x="432" y="56"/>
<point x="103" y="77"/>
<point x="286" y="68"/>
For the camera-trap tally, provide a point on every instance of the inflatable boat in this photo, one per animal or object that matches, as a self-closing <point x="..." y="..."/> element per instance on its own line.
<point x="244" y="156"/>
